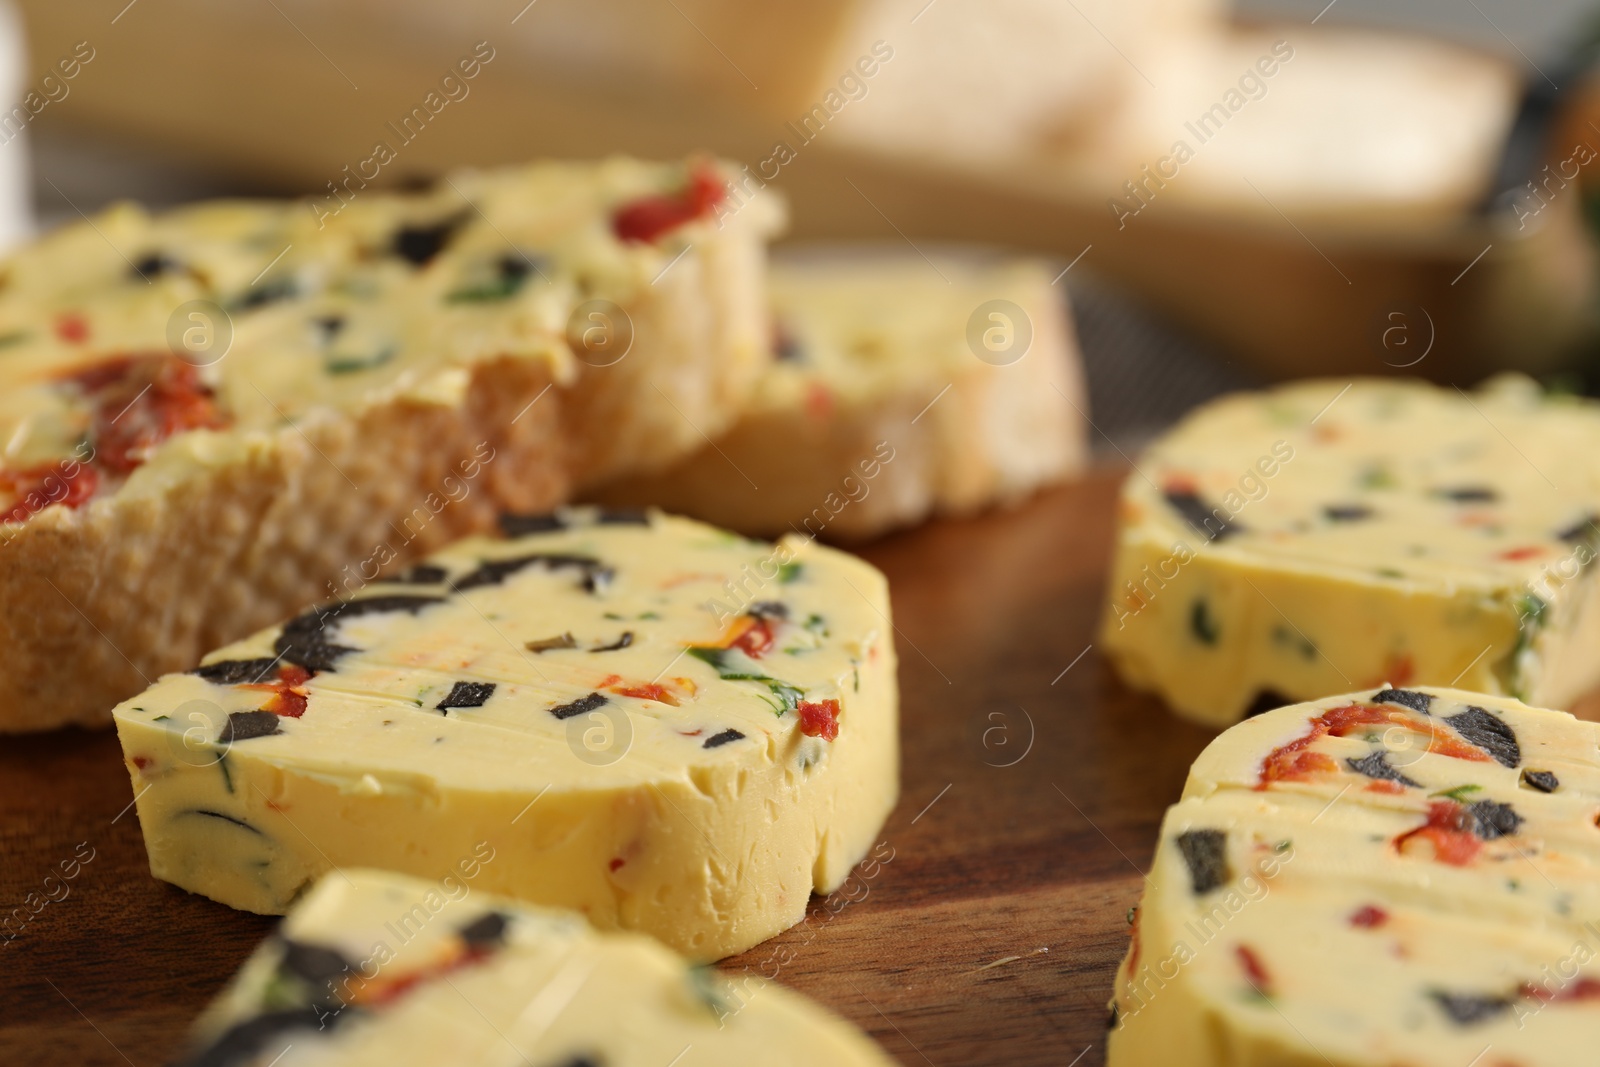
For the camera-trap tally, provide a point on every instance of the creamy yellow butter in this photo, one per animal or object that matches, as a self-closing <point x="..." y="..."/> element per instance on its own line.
<point x="382" y="969"/>
<point x="659" y="724"/>
<point x="1333" y="534"/>
<point x="1387" y="877"/>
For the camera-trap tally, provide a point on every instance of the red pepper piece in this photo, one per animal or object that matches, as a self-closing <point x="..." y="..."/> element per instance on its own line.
<point x="1369" y="917"/>
<point x="819" y="718"/>
<point x="1449" y="828"/>
<point x="140" y="401"/>
<point x="68" y="483"/>
<point x="646" y="219"/>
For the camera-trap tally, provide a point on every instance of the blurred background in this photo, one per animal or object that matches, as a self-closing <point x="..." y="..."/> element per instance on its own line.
<point x="1235" y="193"/>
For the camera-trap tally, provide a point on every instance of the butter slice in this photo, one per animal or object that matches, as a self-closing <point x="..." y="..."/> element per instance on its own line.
<point x="1400" y="876"/>
<point x="1329" y="534"/>
<point x="383" y="969"/>
<point x="648" y="720"/>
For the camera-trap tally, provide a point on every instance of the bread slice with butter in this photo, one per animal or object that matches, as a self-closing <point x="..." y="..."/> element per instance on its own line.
<point x="1331" y="534"/>
<point x="902" y="388"/>
<point x="1394" y="876"/>
<point x="656" y="723"/>
<point x="385" y="970"/>
<point x="215" y="416"/>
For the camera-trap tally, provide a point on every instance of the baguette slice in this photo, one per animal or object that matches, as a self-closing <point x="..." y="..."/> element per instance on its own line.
<point x="651" y="721"/>
<point x="212" y="417"/>
<point x="384" y="970"/>
<point x="1399" y="876"/>
<point x="879" y="410"/>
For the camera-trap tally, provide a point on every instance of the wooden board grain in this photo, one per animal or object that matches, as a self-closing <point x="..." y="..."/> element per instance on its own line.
<point x="986" y="931"/>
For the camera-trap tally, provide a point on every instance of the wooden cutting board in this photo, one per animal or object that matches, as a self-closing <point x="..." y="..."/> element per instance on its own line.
<point x="987" y="930"/>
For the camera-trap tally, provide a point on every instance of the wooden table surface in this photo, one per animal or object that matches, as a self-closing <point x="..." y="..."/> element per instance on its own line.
<point x="989" y="932"/>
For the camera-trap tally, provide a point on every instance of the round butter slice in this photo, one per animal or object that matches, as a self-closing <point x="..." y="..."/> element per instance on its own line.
<point x="380" y="969"/>
<point x="1401" y="876"/>
<point x="646" y="719"/>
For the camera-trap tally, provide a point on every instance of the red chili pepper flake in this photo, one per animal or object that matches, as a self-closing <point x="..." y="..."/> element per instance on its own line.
<point x="1292" y="762"/>
<point x="819" y="718"/>
<point x="1369" y="917"/>
<point x="1525" y="552"/>
<point x="638" y="690"/>
<point x="757" y="638"/>
<point x="1255" y="971"/>
<point x="819" y="402"/>
<point x="72" y="328"/>
<point x="1582" y="989"/>
<point x="288" y="695"/>
<point x="616" y="864"/>
<point x="141" y="762"/>
<point x="140" y="401"/>
<point x="646" y="219"/>
<point x="1450" y="830"/>
<point x="1387" y="786"/>
<point x="68" y="483"/>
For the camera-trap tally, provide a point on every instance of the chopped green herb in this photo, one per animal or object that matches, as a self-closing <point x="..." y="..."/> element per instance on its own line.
<point x="158" y="718"/>
<point x="1459" y="793"/>
<point x="789" y="572"/>
<point x="1201" y="624"/>
<point x="13" y="337"/>
<point x="352" y="364"/>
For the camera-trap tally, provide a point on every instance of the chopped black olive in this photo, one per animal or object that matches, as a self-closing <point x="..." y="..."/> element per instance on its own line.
<point x="1492" y="819"/>
<point x="718" y="740"/>
<point x="616" y="646"/>
<point x="549" y="643"/>
<point x="1206" y="853"/>
<point x="1111" y="1021"/>
<point x="581" y="705"/>
<point x="1585" y="529"/>
<point x="1542" y="781"/>
<point x="467" y="695"/>
<point x="523" y="525"/>
<point x="1267" y="700"/>
<point x="494" y="572"/>
<point x="1346" y="512"/>
<point x="768" y="609"/>
<point x="305" y="639"/>
<point x="330" y="325"/>
<point x="1406" y="698"/>
<point x="1205" y="519"/>
<point x="1488" y="732"/>
<point x="623" y="517"/>
<point x="243" y="725"/>
<point x="207" y="813"/>
<point x="486" y="931"/>
<point x="418" y="245"/>
<point x="237" y="671"/>
<point x="424" y="574"/>
<point x="1466" y="1009"/>
<point x="249" y="1041"/>
<point x="1201" y="624"/>
<point x="1468" y="494"/>
<point x="786" y="347"/>
<point x="154" y="265"/>
<point x="1377" y="766"/>
<point x="316" y="965"/>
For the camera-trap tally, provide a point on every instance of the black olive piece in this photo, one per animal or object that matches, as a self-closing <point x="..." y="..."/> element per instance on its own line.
<point x="623" y="517"/>
<point x="1346" y="512"/>
<point x="1541" y="781"/>
<point x="523" y="525"/>
<point x="258" y="296"/>
<point x="1585" y="529"/>
<point x="154" y="265"/>
<point x="467" y="695"/>
<point x="243" y="725"/>
<point x="1267" y="700"/>
<point x="718" y="740"/>
<point x="618" y="645"/>
<point x="240" y="823"/>
<point x="1376" y="766"/>
<point x="1406" y="698"/>
<point x="424" y="574"/>
<point x="515" y="268"/>
<point x="418" y="245"/>
<point x="768" y="609"/>
<point x="330" y="325"/>
<point x="1468" y="494"/>
<point x="1201" y="516"/>
<point x="486" y="931"/>
<point x="581" y="705"/>
<point x="316" y="965"/>
<point x="494" y="572"/>
<point x="1465" y="1009"/>
<point x="305" y="639"/>
<point x="1492" y="819"/>
<point x="786" y="347"/>
<point x="1206" y="854"/>
<point x="1488" y="732"/>
<point x="237" y="671"/>
<point x="1111" y="1021"/>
